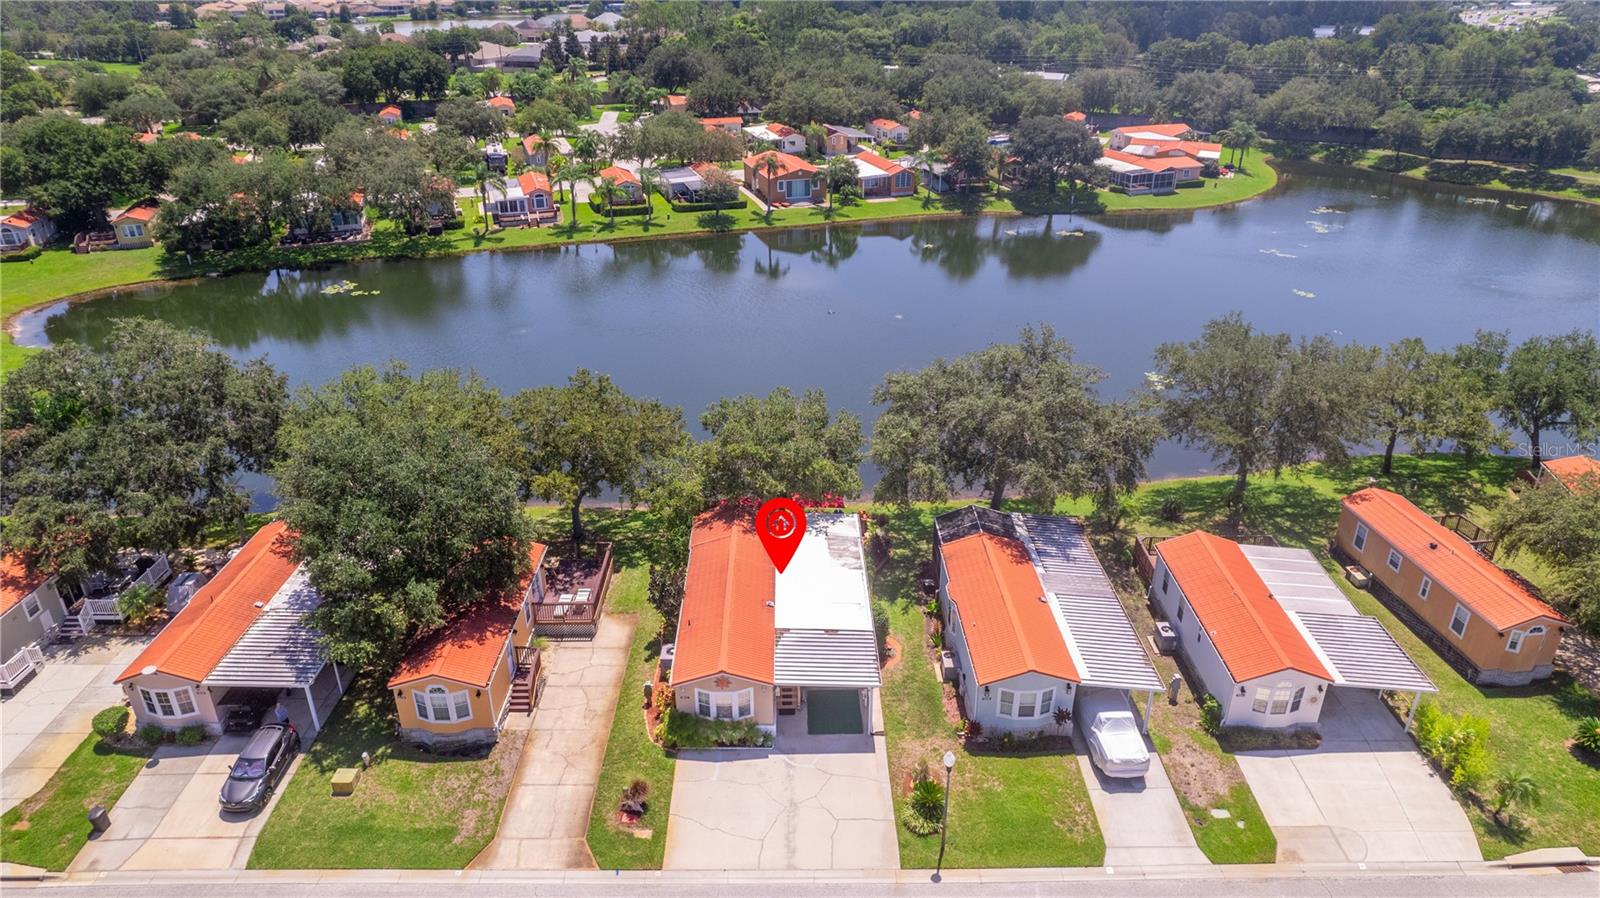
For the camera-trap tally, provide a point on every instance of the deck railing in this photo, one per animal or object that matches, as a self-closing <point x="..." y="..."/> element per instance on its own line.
<point x="27" y="659"/>
<point x="103" y="609"/>
<point x="1477" y="537"/>
<point x="579" y="617"/>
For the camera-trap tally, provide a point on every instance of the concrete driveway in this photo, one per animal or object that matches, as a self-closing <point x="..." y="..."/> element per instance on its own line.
<point x="813" y="803"/>
<point x="47" y="718"/>
<point x="169" y="818"/>
<point x="1365" y="795"/>
<point x="545" y="825"/>
<point x="1141" y="820"/>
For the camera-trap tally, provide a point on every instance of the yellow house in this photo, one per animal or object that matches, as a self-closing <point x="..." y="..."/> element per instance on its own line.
<point x="457" y="685"/>
<point x="132" y="225"/>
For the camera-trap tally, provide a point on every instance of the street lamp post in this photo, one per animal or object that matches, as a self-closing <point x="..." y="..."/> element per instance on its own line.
<point x="944" y="825"/>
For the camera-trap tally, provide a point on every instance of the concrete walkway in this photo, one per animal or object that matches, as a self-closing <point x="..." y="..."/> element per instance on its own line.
<point x="812" y="803"/>
<point x="608" y="125"/>
<point x="169" y="818"/>
<point x="1141" y="820"/>
<point x="1365" y="795"/>
<point x="49" y="716"/>
<point x="545" y="825"/>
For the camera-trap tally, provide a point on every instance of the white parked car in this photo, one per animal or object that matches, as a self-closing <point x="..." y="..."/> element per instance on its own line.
<point x="1116" y="746"/>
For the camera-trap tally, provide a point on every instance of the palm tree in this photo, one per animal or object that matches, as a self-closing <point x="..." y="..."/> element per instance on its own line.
<point x="838" y="172"/>
<point x="1245" y="136"/>
<point x="608" y="191"/>
<point x="1514" y="788"/>
<point x="1228" y="139"/>
<point x="769" y="167"/>
<point x="648" y="177"/>
<point x="920" y="161"/>
<point x="486" y="179"/>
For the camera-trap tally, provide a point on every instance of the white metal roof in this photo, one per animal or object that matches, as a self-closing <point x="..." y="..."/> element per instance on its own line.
<point x="1363" y="653"/>
<point x="280" y="649"/>
<point x="1103" y="643"/>
<point x="1297" y="580"/>
<point x="825" y="585"/>
<point x="844" y="658"/>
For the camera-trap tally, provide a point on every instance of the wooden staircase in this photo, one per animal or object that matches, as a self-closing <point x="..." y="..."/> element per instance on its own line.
<point x="522" y="695"/>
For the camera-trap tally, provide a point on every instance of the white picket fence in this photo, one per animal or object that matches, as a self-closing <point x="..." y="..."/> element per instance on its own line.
<point x="24" y="662"/>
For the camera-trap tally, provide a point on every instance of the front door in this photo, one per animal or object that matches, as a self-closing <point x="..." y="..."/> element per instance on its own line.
<point x="46" y="619"/>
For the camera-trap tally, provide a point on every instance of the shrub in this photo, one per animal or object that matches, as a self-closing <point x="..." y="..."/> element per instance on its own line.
<point x="1172" y="510"/>
<point x="1339" y="154"/>
<point x="662" y="698"/>
<point x="880" y="626"/>
<point x="1588" y="735"/>
<point x="26" y="255"/>
<point x="927" y="800"/>
<point x="741" y="203"/>
<point x="680" y="730"/>
<point x="1210" y="714"/>
<point x="633" y="798"/>
<point x="1459" y="745"/>
<point x="1470" y="173"/>
<point x="111" y="722"/>
<point x="917" y="824"/>
<point x="1398" y="162"/>
<point x="1537" y="180"/>
<point x="150" y="734"/>
<point x="666" y="592"/>
<point x="1210" y="169"/>
<point x="138" y="604"/>
<point x="191" y="735"/>
<point x="619" y="210"/>
<point x="972" y="729"/>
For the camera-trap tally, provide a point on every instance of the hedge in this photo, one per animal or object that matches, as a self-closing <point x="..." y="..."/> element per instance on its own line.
<point x="741" y="203"/>
<point x="26" y="255"/>
<point x="619" y="210"/>
<point x="1461" y="173"/>
<point x="1398" y="162"/>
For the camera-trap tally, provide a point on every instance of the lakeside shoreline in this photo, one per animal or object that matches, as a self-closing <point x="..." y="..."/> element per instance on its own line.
<point x="470" y="243"/>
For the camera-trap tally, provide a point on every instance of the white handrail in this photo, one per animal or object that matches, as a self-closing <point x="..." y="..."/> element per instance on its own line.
<point x="20" y="665"/>
<point x="103" y="609"/>
<point x="86" y="618"/>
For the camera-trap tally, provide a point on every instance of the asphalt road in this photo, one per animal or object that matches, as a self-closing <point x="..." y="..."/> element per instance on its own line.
<point x="1015" y="885"/>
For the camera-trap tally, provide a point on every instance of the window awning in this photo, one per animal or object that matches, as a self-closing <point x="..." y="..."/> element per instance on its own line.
<point x="1363" y="653"/>
<point x="845" y="658"/>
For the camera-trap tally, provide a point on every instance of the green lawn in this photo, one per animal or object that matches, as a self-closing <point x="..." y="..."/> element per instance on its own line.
<point x="48" y="828"/>
<point x="130" y="69"/>
<point x="1258" y="179"/>
<point x="1587" y="191"/>
<point x="411" y="810"/>
<point x="1006" y="810"/>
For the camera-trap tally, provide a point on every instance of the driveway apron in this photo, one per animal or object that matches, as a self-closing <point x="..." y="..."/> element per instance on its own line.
<point x="545" y="824"/>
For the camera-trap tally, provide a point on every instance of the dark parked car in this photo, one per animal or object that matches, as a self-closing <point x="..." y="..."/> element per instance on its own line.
<point x="260" y="767"/>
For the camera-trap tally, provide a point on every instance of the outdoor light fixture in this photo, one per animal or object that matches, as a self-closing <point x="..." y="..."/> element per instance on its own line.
<point x="944" y="825"/>
<point x="1241" y="690"/>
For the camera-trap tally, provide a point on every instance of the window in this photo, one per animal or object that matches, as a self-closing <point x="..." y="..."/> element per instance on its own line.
<point x="31" y="606"/>
<point x="1425" y="588"/>
<point x="1360" y="541"/>
<point x="1394" y="561"/>
<point x="1458" y="621"/>
<point x="1514" y="641"/>
<point x="1180" y="612"/>
<point x="725" y="705"/>
<point x="1166" y="580"/>
<point x="1280" y="698"/>
<point x="440" y="705"/>
<point x="1299" y="695"/>
<point x="903" y="179"/>
<point x="133" y="230"/>
<point x="1259" y="703"/>
<point x="168" y="702"/>
<point x="1027" y="705"/>
<point x="1536" y="631"/>
<point x="538" y="201"/>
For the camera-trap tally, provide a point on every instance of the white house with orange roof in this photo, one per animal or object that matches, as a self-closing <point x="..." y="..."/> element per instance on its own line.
<point x="525" y="199"/>
<point x="778" y="136"/>
<point x="1491" y="626"/>
<point x="390" y="115"/>
<point x="502" y="104"/>
<point x="789" y="180"/>
<point x="791" y="652"/>
<point x="888" y="130"/>
<point x="30" y="227"/>
<point x="1156" y="158"/>
<point x="30" y="606"/>
<point x="882" y="177"/>
<point x="242" y="640"/>
<point x="1268" y="633"/>
<point x="1031" y="620"/>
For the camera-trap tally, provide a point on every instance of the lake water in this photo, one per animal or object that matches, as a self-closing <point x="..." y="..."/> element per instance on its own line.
<point x="1351" y="255"/>
<point x="410" y="26"/>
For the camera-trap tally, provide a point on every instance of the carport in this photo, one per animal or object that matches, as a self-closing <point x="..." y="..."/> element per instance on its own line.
<point x="280" y="653"/>
<point x="1358" y="650"/>
<point x="1104" y="646"/>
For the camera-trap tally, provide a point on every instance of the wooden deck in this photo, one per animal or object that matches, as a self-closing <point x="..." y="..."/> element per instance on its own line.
<point x="575" y="593"/>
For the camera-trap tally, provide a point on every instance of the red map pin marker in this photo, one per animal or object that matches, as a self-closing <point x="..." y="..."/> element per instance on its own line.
<point x="781" y="523"/>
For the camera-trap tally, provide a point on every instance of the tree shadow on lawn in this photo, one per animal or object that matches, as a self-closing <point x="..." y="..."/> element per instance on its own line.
<point x="638" y="537"/>
<point x="908" y="534"/>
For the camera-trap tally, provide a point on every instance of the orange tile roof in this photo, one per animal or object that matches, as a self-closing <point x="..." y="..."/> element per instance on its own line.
<point x="145" y="137"/>
<point x="619" y="174"/>
<point x="468" y="648"/>
<point x="1075" y="117"/>
<point x="24" y="218"/>
<point x="888" y="166"/>
<point x="144" y="210"/>
<point x="675" y="100"/>
<point x="502" y="103"/>
<point x="1572" y="470"/>
<point x="725" y="625"/>
<point x="787" y="164"/>
<point x="532" y="181"/>
<point x="1169" y="129"/>
<point x="1453" y="564"/>
<point x="532" y="143"/>
<point x="223" y="609"/>
<point x="390" y="111"/>
<point x="720" y="120"/>
<point x="1153" y="163"/>
<point x="887" y="124"/>
<point x="1251" y="632"/>
<point x="1009" y="629"/>
<point x="15" y="581"/>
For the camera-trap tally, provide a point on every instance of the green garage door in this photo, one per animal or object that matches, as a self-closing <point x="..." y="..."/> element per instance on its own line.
<point x="831" y="712"/>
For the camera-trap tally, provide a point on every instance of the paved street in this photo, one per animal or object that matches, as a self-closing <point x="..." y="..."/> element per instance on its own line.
<point x="49" y="716"/>
<point x="1365" y="795"/>
<point x="546" y="820"/>
<point x="813" y="803"/>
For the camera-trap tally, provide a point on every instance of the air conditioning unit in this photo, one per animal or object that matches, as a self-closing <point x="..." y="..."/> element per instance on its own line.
<point x="1358" y="575"/>
<point x="668" y="652"/>
<point x="1166" y="638"/>
<point x="947" y="666"/>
